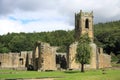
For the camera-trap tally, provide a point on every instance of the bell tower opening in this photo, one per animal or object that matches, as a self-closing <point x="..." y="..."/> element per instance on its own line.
<point x="87" y="23"/>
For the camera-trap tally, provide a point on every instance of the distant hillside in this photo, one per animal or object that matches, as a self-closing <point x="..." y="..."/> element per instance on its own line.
<point x="107" y="35"/>
<point x="107" y="27"/>
<point x="15" y="42"/>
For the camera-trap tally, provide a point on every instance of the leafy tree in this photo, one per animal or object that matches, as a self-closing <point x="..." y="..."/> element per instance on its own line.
<point x="3" y="49"/>
<point x="19" y="43"/>
<point x="83" y="51"/>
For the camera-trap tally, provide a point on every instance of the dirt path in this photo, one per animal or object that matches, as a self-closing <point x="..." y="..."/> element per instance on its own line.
<point x="40" y="79"/>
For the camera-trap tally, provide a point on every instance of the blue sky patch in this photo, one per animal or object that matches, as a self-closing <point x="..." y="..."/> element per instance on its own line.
<point x="12" y="18"/>
<point x="26" y="21"/>
<point x="23" y="21"/>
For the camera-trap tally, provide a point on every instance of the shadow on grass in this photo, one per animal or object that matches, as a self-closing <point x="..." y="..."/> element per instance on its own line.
<point x="71" y="72"/>
<point x="44" y="78"/>
<point x="37" y="78"/>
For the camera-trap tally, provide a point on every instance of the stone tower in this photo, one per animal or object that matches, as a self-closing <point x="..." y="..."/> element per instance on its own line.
<point x="84" y="24"/>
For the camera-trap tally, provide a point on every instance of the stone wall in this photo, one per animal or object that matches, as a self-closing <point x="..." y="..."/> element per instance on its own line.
<point x="98" y="58"/>
<point x="49" y="57"/>
<point x="10" y="60"/>
<point x="14" y="60"/>
<point x="105" y="61"/>
<point x="94" y="56"/>
<point x="71" y="57"/>
<point x="46" y="57"/>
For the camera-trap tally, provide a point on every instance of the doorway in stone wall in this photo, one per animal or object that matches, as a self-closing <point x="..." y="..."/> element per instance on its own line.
<point x="61" y="62"/>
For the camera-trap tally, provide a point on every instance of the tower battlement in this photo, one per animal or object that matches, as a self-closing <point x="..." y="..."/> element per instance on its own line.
<point x="84" y="24"/>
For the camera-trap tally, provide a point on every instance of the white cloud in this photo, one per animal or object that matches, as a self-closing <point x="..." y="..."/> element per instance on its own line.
<point x="49" y="26"/>
<point x="9" y="26"/>
<point x="44" y="15"/>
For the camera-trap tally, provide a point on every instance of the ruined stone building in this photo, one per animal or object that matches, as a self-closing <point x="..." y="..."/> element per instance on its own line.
<point x="84" y="24"/>
<point x="45" y="57"/>
<point x="49" y="59"/>
<point x="18" y="61"/>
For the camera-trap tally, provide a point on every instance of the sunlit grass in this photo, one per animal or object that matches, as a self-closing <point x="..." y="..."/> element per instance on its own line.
<point x="62" y="75"/>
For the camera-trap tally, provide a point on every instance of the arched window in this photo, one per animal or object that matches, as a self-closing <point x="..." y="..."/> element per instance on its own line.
<point x="86" y="23"/>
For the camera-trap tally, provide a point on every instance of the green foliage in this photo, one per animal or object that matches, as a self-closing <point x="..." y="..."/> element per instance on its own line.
<point x="108" y="36"/>
<point x="118" y="56"/>
<point x="19" y="43"/>
<point x="62" y="49"/>
<point x="114" y="58"/>
<point x="4" y="49"/>
<point x="83" y="51"/>
<point x="16" y="42"/>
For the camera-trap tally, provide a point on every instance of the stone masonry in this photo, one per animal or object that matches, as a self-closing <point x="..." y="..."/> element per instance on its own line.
<point x="44" y="57"/>
<point x="15" y="60"/>
<point x="72" y="51"/>
<point x="84" y="24"/>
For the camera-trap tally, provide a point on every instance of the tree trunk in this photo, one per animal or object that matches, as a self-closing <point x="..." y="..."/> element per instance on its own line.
<point x="82" y="67"/>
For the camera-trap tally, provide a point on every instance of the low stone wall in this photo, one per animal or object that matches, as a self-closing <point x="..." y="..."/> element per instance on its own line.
<point x="104" y="61"/>
<point x="15" y="60"/>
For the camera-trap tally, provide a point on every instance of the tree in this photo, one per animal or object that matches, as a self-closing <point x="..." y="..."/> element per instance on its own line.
<point x="3" y="49"/>
<point x="19" y="43"/>
<point x="83" y="51"/>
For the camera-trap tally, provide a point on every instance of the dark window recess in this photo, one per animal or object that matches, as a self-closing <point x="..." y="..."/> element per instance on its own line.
<point x="86" y="23"/>
<point x="21" y="61"/>
<point x="60" y="59"/>
<point x="42" y="60"/>
<point x="0" y="63"/>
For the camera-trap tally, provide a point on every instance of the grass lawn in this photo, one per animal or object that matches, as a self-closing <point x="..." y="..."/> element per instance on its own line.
<point x="62" y="75"/>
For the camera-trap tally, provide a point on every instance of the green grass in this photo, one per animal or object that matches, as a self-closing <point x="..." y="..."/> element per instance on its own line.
<point x="62" y="75"/>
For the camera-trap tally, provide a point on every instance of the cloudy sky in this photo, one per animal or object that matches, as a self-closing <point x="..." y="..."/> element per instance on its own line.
<point x="49" y="15"/>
